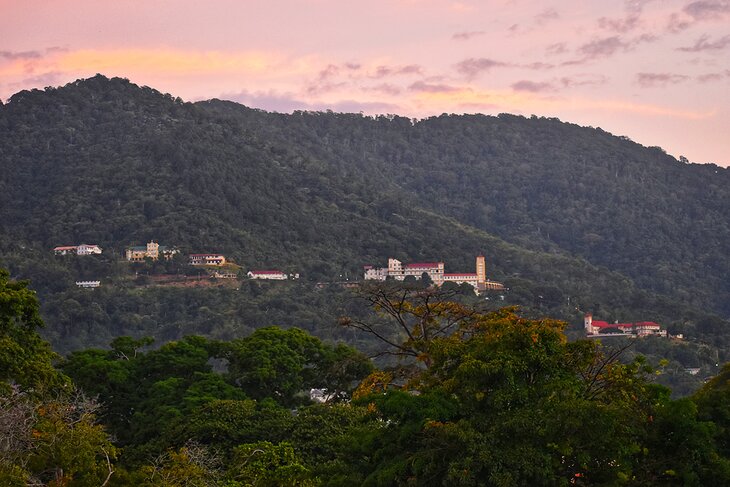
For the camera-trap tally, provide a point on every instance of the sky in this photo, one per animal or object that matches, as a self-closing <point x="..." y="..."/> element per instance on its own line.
<point x="656" y="71"/>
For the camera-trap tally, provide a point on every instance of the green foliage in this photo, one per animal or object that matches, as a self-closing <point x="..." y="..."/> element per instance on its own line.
<point x="25" y="358"/>
<point x="713" y="402"/>
<point x="281" y="363"/>
<point x="267" y="465"/>
<point x="53" y="441"/>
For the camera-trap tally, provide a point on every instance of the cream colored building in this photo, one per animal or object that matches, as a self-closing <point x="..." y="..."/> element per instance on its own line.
<point x="435" y="270"/>
<point x="152" y="250"/>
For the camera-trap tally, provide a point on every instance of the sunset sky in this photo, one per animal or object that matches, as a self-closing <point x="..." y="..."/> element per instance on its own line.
<point x="657" y="71"/>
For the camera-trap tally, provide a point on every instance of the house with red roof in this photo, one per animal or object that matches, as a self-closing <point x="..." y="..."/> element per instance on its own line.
<point x="597" y="328"/>
<point x="81" y="249"/>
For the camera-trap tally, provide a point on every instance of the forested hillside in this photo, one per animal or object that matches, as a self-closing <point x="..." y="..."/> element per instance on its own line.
<point x="540" y="183"/>
<point x="571" y="219"/>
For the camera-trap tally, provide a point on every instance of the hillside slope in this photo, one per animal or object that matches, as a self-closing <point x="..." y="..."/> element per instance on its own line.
<point x="542" y="184"/>
<point x="105" y="161"/>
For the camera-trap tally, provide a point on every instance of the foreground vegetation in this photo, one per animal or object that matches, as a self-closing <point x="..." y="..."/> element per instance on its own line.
<point x="474" y="399"/>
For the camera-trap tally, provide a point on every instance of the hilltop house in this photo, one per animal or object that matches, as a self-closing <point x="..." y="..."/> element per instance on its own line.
<point x="82" y="249"/>
<point x="436" y="271"/>
<point x="152" y="250"/>
<point x="207" y="259"/>
<point x="595" y="328"/>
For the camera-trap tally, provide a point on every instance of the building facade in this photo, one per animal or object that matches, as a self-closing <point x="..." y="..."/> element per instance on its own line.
<point x="152" y="250"/>
<point x="435" y="271"/>
<point x="207" y="259"/>
<point x="276" y="275"/>
<point x="597" y="328"/>
<point x="82" y="249"/>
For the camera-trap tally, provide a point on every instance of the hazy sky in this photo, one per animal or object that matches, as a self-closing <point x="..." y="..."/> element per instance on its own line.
<point x="657" y="71"/>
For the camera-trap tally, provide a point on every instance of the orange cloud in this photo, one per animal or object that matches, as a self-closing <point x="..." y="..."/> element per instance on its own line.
<point x="169" y="61"/>
<point x="526" y="102"/>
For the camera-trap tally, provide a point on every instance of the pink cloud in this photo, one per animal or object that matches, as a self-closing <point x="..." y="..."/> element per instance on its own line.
<point x="384" y="88"/>
<point x="651" y="80"/>
<point x="555" y="49"/>
<point x="583" y="80"/>
<point x="704" y="44"/>
<point x="705" y="78"/>
<point x="707" y="9"/>
<point x="621" y="25"/>
<point x="532" y="86"/>
<point x="13" y="56"/>
<point x="465" y="36"/>
<point x="422" y="86"/>
<point x="474" y="66"/>
<point x="698" y="11"/>
<point x="546" y="16"/>
<point x="608" y="46"/>
<point x="383" y="71"/>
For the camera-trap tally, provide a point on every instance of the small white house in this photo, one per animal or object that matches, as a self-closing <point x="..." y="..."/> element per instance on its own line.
<point x="88" y="284"/>
<point x="83" y="249"/>
<point x="271" y="274"/>
<point x="86" y="249"/>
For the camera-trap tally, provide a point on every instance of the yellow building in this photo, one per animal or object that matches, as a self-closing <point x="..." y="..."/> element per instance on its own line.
<point x="152" y="250"/>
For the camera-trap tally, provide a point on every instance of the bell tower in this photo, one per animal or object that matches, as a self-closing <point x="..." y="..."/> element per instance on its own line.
<point x="481" y="269"/>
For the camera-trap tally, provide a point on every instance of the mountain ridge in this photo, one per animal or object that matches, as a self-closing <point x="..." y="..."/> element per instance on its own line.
<point x="105" y="161"/>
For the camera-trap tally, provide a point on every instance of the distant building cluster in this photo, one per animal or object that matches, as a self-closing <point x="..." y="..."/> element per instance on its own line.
<point x="436" y="272"/>
<point x="595" y="328"/>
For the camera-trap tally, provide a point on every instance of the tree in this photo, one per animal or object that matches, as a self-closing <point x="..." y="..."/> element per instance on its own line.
<point x="265" y="464"/>
<point x="283" y="364"/>
<point x="53" y="441"/>
<point x="417" y="318"/>
<point x="25" y="358"/>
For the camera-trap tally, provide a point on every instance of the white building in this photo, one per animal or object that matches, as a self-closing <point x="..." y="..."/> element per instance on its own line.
<point x="276" y="275"/>
<point x="86" y="249"/>
<point x="207" y="259"/>
<point x="596" y="328"/>
<point x="88" y="284"/>
<point x="435" y="270"/>
<point x="83" y="249"/>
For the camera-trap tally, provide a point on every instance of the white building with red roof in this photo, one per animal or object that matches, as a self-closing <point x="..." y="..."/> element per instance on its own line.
<point x="435" y="270"/>
<point x="597" y="328"/>
<point x="81" y="249"/>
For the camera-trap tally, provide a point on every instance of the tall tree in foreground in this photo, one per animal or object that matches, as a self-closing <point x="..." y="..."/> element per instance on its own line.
<point x="48" y="431"/>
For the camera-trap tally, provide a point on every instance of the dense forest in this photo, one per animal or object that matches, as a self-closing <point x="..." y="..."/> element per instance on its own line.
<point x="571" y="219"/>
<point x="475" y="399"/>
